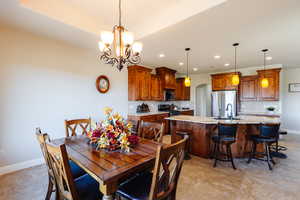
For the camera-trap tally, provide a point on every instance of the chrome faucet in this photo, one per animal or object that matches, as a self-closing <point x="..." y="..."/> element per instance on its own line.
<point x="231" y="110"/>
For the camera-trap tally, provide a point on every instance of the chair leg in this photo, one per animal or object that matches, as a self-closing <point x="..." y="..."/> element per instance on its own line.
<point x="217" y="147"/>
<point x="230" y="156"/>
<point x="50" y="189"/>
<point x="268" y="155"/>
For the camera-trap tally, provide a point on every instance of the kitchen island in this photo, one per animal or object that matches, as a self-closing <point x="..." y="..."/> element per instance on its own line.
<point x="201" y="129"/>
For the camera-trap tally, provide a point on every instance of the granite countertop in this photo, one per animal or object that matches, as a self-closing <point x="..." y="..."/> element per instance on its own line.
<point x="210" y="120"/>
<point x="261" y="113"/>
<point x="147" y="113"/>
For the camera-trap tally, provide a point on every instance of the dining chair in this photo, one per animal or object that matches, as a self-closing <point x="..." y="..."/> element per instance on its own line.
<point x="72" y="125"/>
<point x="135" y="126"/>
<point x="76" y="171"/>
<point x="162" y="183"/>
<point x="151" y="130"/>
<point x="82" y="188"/>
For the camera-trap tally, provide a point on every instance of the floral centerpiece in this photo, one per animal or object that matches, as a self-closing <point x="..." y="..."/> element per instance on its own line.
<point x="113" y="133"/>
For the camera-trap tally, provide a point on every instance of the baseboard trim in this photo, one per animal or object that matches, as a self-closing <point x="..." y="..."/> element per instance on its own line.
<point x="22" y="165"/>
<point x="291" y="131"/>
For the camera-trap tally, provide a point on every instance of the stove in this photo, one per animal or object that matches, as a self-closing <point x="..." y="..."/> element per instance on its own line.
<point x="171" y="108"/>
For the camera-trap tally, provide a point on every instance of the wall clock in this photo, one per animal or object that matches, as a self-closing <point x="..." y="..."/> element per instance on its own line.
<point x="102" y="84"/>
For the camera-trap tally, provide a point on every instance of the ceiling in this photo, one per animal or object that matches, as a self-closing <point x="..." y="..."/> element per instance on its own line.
<point x="208" y="27"/>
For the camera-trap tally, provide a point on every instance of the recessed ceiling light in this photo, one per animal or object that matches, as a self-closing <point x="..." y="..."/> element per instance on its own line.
<point x="195" y="69"/>
<point x="181" y="63"/>
<point x="226" y="65"/>
<point x="269" y="58"/>
<point x="161" y="55"/>
<point x="217" y="57"/>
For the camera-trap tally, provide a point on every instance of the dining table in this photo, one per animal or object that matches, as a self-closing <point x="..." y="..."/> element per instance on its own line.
<point x="109" y="168"/>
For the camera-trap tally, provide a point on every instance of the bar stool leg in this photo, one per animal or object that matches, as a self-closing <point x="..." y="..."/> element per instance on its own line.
<point x="217" y="153"/>
<point x="252" y="153"/>
<point x="268" y="155"/>
<point x="230" y="155"/>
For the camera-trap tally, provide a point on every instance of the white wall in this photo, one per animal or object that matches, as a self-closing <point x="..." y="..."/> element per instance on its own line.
<point x="43" y="82"/>
<point x="291" y="101"/>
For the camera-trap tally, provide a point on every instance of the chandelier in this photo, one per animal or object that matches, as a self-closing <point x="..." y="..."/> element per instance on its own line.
<point x="118" y="47"/>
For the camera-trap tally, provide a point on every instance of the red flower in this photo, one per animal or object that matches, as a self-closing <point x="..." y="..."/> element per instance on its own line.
<point x="96" y="133"/>
<point x="133" y="139"/>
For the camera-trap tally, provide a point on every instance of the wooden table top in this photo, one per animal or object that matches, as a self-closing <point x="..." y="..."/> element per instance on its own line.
<point x="107" y="166"/>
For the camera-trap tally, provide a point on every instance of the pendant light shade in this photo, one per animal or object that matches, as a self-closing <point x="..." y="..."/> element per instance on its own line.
<point x="265" y="82"/>
<point x="187" y="80"/>
<point x="235" y="80"/>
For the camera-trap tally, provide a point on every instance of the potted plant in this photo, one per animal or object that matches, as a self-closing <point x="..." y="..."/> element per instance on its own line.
<point x="271" y="109"/>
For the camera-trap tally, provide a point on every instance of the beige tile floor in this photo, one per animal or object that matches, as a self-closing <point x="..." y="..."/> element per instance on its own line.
<point x="198" y="181"/>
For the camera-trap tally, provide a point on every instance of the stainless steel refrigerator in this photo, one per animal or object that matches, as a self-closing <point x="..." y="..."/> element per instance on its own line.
<point x="221" y="100"/>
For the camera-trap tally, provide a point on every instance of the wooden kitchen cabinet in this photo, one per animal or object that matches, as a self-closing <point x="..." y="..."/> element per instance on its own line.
<point x="223" y="81"/>
<point x="139" y="83"/>
<point x="182" y="92"/>
<point x="167" y="77"/>
<point x="156" y="89"/>
<point x="249" y="88"/>
<point x="270" y="93"/>
<point x="187" y="112"/>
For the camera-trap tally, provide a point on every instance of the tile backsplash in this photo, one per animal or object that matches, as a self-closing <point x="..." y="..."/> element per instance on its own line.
<point x="260" y="107"/>
<point x="153" y="105"/>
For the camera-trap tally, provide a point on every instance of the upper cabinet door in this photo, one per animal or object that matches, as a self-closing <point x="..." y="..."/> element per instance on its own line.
<point x="182" y="93"/>
<point x="139" y="81"/>
<point x="156" y="90"/>
<point x="248" y="88"/>
<point x="167" y="77"/>
<point x="270" y="93"/>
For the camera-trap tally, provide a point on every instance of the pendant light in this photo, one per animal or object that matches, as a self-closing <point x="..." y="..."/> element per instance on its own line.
<point x="265" y="81"/>
<point x="235" y="78"/>
<point x="187" y="80"/>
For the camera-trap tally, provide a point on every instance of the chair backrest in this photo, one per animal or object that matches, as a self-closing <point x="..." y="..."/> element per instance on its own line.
<point x="227" y="130"/>
<point x="151" y="130"/>
<point x="168" y="164"/>
<point x="42" y="139"/>
<point x="135" y="126"/>
<point x="269" y="130"/>
<point x="58" y="158"/>
<point x="72" y="125"/>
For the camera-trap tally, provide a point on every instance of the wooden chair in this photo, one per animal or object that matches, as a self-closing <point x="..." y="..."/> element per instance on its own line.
<point x="42" y="139"/>
<point x="162" y="184"/>
<point x="135" y="126"/>
<point x="71" y="125"/>
<point x="82" y="188"/>
<point x="151" y="130"/>
<point x="76" y="171"/>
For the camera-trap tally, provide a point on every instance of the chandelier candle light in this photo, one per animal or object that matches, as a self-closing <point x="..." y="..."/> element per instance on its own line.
<point x="118" y="47"/>
<point x="265" y="81"/>
<point x="235" y="78"/>
<point x="187" y="80"/>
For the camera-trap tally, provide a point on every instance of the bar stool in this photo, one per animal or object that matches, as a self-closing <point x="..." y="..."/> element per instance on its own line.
<point x="183" y="134"/>
<point x="226" y="136"/>
<point x="276" y="149"/>
<point x="268" y="135"/>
